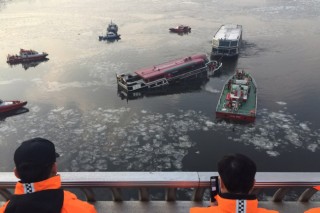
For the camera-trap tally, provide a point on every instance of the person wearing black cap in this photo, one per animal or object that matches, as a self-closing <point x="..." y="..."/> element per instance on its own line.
<point x="39" y="189"/>
<point x="236" y="180"/>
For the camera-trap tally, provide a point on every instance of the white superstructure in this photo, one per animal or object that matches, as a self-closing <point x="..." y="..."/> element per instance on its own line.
<point x="227" y="40"/>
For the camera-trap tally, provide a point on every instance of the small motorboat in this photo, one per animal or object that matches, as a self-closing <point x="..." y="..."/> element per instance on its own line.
<point x="112" y="27"/>
<point x="180" y="29"/>
<point x="110" y="36"/>
<point x="26" y="56"/>
<point x="8" y="106"/>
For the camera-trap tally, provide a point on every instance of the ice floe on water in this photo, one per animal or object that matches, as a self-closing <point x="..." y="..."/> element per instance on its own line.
<point x="281" y="103"/>
<point x="121" y="139"/>
<point x="289" y="9"/>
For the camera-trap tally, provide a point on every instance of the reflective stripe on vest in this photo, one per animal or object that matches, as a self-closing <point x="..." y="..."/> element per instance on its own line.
<point x="241" y="206"/>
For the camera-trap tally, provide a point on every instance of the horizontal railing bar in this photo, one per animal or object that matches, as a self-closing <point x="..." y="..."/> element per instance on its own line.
<point x="169" y="179"/>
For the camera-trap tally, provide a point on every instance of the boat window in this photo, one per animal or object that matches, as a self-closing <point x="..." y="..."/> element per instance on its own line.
<point x="224" y="43"/>
<point x="234" y="43"/>
<point x="223" y="51"/>
<point x="233" y="51"/>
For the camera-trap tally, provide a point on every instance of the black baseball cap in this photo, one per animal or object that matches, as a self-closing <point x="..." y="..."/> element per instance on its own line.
<point x="37" y="151"/>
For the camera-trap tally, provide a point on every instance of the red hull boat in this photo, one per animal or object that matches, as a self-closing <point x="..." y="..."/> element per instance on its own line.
<point x="180" y="29"/>
<point x="7" y="106"/>
<point x="26" y="56"/>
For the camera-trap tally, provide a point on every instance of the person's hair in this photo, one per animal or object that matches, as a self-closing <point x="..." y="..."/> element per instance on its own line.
<point x="237" y="172"/>
<point x="30" y="173"/>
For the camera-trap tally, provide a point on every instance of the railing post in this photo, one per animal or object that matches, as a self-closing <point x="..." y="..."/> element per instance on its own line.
<point x="198" y="194"/>
<point x="89" y="194"/>
<point x="116" y="193"/>
<point x="279" y="194"/>
<point x="6" y="194"/>
<point x="307" y="194"/>
<point x="143" y="194"/>
<point x="171" y="194"/>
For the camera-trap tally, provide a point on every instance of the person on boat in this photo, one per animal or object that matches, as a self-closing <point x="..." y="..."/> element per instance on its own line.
<point x="39" y="188"/>
<point x="229" y="84"/>
<point x="236" y="180"/>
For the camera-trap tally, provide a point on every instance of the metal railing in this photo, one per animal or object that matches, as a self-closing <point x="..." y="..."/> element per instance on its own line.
<point x="197" y="182"/>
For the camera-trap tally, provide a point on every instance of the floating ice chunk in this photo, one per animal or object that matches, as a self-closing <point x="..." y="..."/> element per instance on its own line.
<point x="5" y="128"/>
<point x="144" y="111"/>
<point x="205" y="129"/>
<point x="273" y="153"/>
<point x="101" y="129"/>
<point x="209" y="123"/>
<point x="78" y="131"/>
<point x="33" y="131"/>
<point x="293" y="138"/>
<point x="170" y="115"/>
<point x="304" y="126"/>
<point x="281" y="103"/>
<point x="313" y="147"/>
<point x="58" y="109"/>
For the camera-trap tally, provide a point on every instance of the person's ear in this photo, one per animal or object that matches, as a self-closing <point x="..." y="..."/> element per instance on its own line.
<point x="254" y="182"/>
<point x="54" y="169"/>
<point x="15" y="171"/>
<point x="223" y="188"/>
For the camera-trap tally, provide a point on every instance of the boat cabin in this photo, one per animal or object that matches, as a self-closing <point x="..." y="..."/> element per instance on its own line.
<point x="226" y="41"/>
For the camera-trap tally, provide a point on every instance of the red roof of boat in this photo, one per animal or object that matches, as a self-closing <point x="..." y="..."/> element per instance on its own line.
<point x="147" y="73"/>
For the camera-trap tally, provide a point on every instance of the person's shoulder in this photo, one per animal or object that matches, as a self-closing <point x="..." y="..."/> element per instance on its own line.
<point x="208" y="209"/>
<point x="313" y="210"/>
<point x="72" y="204"/>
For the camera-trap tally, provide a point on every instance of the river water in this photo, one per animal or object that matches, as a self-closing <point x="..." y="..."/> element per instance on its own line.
<point x="73" y="99"/>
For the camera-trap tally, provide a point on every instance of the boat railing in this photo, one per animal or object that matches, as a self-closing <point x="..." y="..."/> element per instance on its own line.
<point x="283" y="191"/>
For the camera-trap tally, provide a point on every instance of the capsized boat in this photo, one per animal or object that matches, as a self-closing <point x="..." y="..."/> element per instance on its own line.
<point x="238" y="99"/>
<point x="186" y="86"/>
<point x="168" y="73"/>
<point x="8" y="106"/>
<point x="180" y="29"/>
<point x="25" y="56"/>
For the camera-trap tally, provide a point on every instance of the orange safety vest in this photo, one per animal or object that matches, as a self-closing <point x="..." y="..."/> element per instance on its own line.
<point x="231" y="203"/>
<point x="313" y="210"/>
<point x="71" y="204"/>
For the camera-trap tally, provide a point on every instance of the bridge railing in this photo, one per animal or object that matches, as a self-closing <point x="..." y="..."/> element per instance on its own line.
<point x="196" y="182"/>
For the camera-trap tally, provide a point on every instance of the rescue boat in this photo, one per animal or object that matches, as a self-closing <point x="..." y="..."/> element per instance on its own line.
<point x="8" y="106"/>
<point x="26" y="56"/>
<point x="180" y="29"/>
<point x="238" y="99"/>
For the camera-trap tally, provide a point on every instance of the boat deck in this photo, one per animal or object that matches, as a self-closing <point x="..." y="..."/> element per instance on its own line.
<point x="246" y="107"/>
<point x="229" y="32"/>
